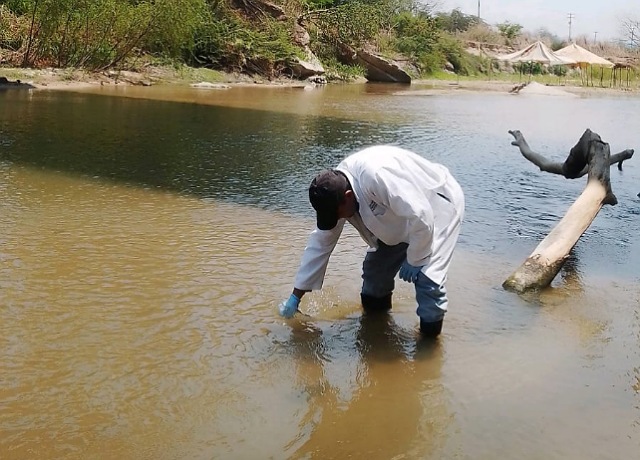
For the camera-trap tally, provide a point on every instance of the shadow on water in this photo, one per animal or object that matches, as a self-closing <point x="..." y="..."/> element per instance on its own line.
<point x="252" y="156"/>
<point x="394" y="402"/>
<point x="6" y="85"/>
<point x="263" y="149"/>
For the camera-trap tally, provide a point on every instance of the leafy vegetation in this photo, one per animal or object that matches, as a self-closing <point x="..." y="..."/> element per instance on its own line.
<point x="456" y="21"/>
<point x="509" y="31"/>
<point x="228" y="40"/>
<point x="417" y="37"/>
<point x="260" y="37"/>
<point x="96" y="34"/>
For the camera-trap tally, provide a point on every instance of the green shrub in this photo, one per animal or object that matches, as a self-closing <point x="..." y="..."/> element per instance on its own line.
<point x="533" y="68"/>
<point x="559" y="70"/>
<point x="229" y="41"/>
<point x="456" y="21"/>
<point x="18" y="7"/>
<point x="12" y="29"/>
<point x="335" y="70"/>
<point x="417" y="37"/>
<point x="353" y="23"/>
<point x="102" y="33"/>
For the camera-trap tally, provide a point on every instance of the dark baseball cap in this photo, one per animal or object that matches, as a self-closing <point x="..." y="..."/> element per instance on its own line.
<point x="326" y="192"/>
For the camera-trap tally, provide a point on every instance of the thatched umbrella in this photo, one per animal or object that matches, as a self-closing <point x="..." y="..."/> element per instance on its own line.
<point x="536" y="52"/>
<point x="585" y="59"/>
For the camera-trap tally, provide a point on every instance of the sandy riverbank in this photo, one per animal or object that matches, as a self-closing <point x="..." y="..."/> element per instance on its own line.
<point x="534" y="87"/>
<point x="73" y="79"/>
<point x="70" y="79"/>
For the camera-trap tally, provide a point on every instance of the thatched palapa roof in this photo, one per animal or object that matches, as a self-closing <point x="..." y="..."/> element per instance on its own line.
<point x="582" y="56"/>
<point x="537" y="52"/>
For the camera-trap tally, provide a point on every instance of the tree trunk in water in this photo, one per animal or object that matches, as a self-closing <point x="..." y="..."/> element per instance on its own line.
<point x="591" y="156"/>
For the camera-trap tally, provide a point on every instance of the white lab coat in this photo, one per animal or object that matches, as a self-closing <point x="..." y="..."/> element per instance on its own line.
<point x="402" y="198"/>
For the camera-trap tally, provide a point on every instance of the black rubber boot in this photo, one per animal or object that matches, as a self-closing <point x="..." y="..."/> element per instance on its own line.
<point x="372" y="304"/>
<point x="430" y="330"/>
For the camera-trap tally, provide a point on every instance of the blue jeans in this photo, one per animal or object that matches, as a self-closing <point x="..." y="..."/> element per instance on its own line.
<point x="379" y="271"/>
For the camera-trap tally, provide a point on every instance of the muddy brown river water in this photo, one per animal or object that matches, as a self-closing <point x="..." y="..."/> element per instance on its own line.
<point x="148" y="234"/>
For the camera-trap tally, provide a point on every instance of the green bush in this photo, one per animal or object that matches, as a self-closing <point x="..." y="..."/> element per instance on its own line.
<point x="559" y="70"/>
<point x="417" y="37"/>
<point x="229" y="41"/>
<point x="18" y="7"/>
<point x="12" y="29"/>
<point x="532" y="68"/>
<point x="101" y="33"/>
<point x="456" y="21"/>
<point x="353" y="23"/>
<point x="319" y="4"/>
<point x="463" y="62"/>
<point x="335" y="70"/>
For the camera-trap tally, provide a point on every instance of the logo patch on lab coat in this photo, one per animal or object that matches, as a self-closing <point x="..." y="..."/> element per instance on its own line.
<point x="376" y="209"/>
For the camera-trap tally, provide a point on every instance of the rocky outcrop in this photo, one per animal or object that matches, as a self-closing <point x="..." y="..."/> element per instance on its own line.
<point x="376" y="67"/>
<point x="381" y="69"/>
<point x="309" y="66"/>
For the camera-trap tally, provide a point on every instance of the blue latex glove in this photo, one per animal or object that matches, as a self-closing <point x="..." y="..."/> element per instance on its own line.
<point x="409" y="273"/>
<point x="289" y="307"/>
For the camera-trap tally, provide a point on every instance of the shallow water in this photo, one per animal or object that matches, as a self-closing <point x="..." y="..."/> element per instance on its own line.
<point x="146" y="243"/>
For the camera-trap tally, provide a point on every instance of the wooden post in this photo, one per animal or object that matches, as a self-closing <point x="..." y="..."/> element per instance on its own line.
<point x="627" y="77"/>
<point x="589" y="156"/>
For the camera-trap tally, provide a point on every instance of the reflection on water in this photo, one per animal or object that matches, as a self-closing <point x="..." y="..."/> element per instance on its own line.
<point x="386" y="405"/>
<point x="145" y="245"/>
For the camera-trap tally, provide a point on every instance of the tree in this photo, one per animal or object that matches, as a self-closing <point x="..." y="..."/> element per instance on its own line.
<point x="456" y="21"/>
<point x="509" y="31"/>
<point x="543" y="34"/>
<point x="417" y="37"/>
<point x="630" y="29"/>
<point x="592" y="157"/>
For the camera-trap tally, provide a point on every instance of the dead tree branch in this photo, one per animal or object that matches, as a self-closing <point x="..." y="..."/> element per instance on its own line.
<point x="553" y="167"/>
<point x="589" y="156"/>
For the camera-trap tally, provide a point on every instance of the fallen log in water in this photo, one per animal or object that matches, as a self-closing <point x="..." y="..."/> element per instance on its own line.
<point x="589" y="156"/>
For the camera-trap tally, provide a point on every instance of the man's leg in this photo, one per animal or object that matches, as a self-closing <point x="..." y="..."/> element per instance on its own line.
<point x="378" y="276"/>
<point x="432" y="305"/>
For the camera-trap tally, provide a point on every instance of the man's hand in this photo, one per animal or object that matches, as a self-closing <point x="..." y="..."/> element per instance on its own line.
<point x="289" y="307"/>
<point x="409" y="273"/>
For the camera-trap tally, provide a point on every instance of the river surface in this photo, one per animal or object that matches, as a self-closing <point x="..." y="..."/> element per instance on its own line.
<point x="148" y="234"/>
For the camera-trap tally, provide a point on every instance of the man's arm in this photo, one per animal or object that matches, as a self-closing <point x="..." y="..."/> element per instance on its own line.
<point x="315" y="258"/>
<point x="313" y="266"/>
